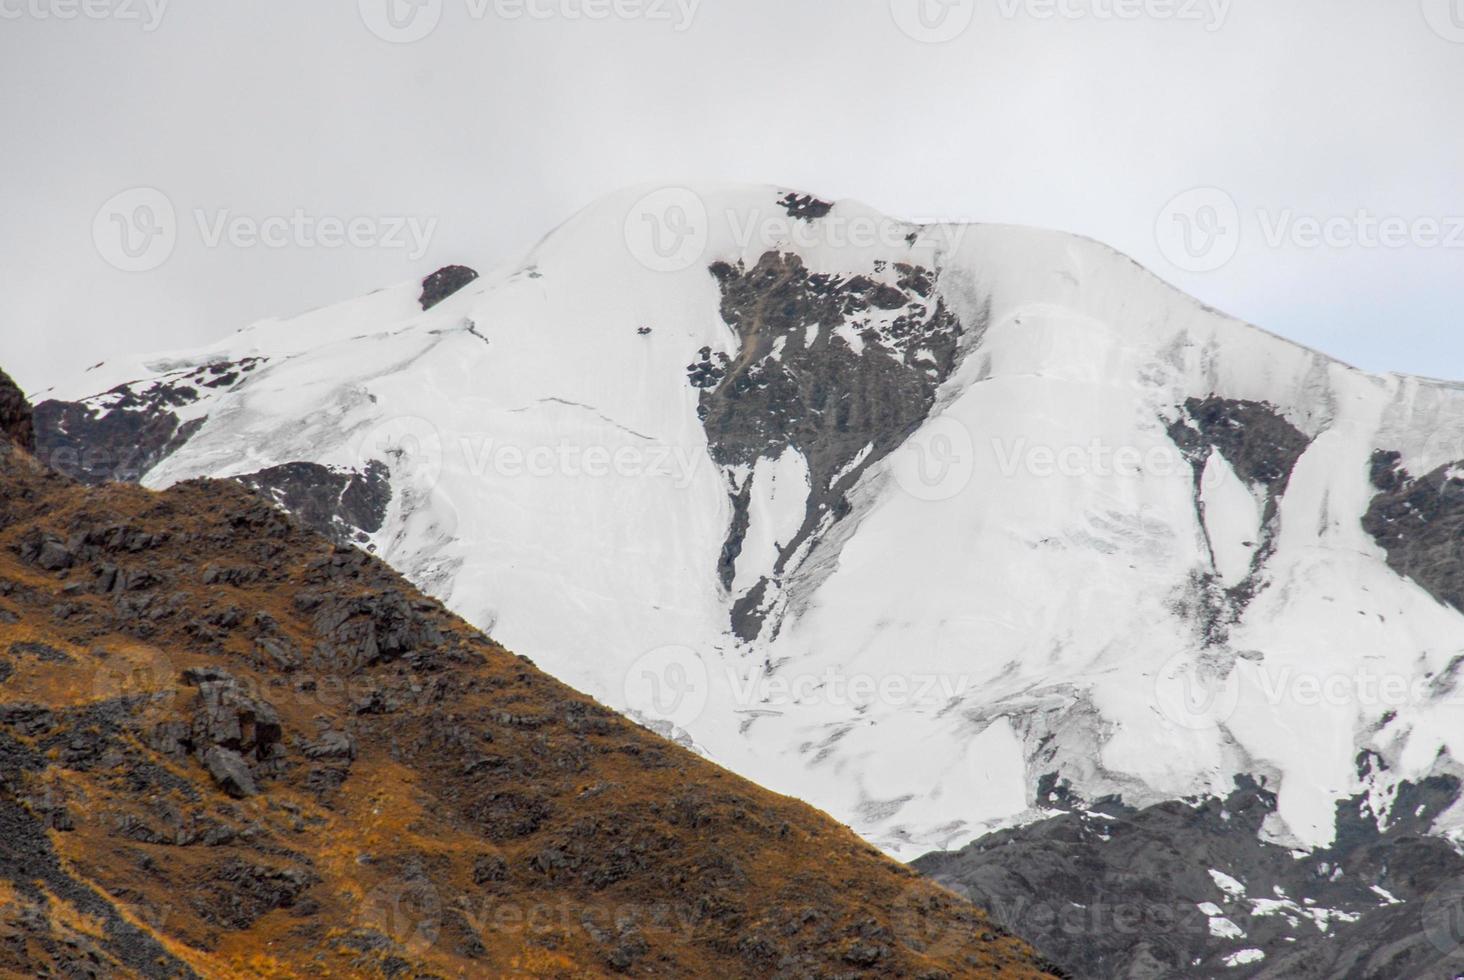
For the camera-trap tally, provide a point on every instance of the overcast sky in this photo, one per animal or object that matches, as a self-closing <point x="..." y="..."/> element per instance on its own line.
<point x="1305" y="123"/>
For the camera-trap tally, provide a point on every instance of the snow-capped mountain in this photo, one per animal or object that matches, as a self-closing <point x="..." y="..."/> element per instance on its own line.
<point x="906" y="520"/>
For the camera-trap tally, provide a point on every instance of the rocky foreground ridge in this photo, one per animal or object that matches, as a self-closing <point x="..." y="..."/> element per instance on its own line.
<point x="230" y="747"/>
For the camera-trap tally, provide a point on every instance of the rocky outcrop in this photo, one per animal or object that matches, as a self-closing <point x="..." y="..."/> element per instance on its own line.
<point x="443" y="283"/>
<point x="839" y="369"/>
<point x="15" y="415"/>
<point x="1262" y="449"/>
<point x="1419" y="522"/>
<point x="345" y="505"/>
<point x="121" y="434"/>
<point x="1191" y="887"/>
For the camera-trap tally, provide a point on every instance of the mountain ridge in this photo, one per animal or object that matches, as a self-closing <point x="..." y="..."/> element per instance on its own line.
<point x="232" y="748"/>
<point x="1058" y="343"/>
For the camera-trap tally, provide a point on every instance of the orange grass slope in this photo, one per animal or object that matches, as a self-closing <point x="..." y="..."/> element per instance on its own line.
<point x="231" y="749"/>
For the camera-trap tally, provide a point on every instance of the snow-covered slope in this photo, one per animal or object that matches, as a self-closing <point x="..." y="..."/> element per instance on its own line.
<point x="903" y="520"/>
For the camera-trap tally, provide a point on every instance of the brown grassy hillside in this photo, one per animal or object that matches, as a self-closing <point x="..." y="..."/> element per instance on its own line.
<point x="231" y="749"/>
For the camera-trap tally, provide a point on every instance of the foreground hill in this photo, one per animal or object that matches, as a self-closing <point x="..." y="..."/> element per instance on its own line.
<point x="229" y="748"/>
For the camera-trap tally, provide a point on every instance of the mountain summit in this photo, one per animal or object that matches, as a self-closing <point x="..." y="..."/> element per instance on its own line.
<point x="916" y="522"/>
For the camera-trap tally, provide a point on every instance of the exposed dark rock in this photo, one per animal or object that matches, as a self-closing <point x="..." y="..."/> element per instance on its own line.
<point x="41" y="651"/>
<point x="1262" y="448"/>
<point x="1419" y="522"/>
<point x="832" y="399"/>
<point x="1111" y="891"/>
<point x="332" y="745"/>
<point x="443" y="283"/>
<point x="805" y="206"/>
<point x="345" y="505"/>
<point x="246" y="892"/>
<point x="124" y="433"/>
<point x="230" y="771"/>
<point x="15" y="415"/>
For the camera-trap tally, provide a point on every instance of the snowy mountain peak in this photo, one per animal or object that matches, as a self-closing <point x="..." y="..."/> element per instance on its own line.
<point x="906" y="520"/>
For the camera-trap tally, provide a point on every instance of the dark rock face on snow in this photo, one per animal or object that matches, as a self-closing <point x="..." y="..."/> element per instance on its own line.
<point x="1419" y="522"/>
<point x="1190" y="889"/>
<point x="840" y="369"/>
<point x="443" y="283"/>
<point x="805" y="207"/>
<point x="1262" y="448"/>
<point x="346" y="505"/>
<point x="15" y="415"/>
<point x="120" y="435"/>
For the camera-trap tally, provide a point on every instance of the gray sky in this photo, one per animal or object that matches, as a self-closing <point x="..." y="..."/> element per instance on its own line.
<point x="1085" y="115"/>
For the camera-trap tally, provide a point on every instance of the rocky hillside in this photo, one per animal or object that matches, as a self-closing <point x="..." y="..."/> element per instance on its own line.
<point x="230" y="747"/>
